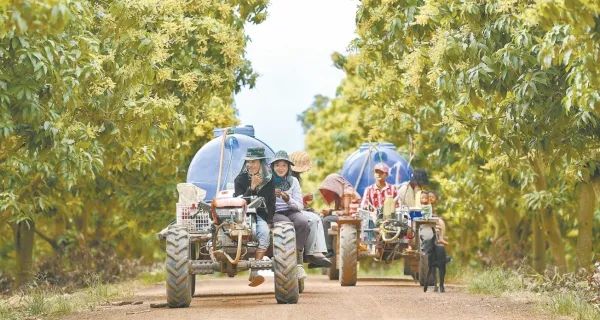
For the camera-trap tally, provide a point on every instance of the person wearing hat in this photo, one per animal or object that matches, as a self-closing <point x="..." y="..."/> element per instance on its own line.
<point x="375" y="194"/>
<point x="289" y="205"/>
<point x="374" y="197"/>
<point x="332" y="190"/>
<point x="255" y="179"/>
<point x="302" y="164"/>
<point x="316" y="245"/>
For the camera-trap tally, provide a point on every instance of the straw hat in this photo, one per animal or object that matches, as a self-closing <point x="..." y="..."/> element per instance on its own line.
<point x="301" y="160"/>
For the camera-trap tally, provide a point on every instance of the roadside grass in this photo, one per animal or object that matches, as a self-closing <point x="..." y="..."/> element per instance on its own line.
<point x="558" y="298"/>
<point x="571" y="304"/>
<point x="495" y="282"/>
<point x="152" y="277"/>
<point x="50" y="303"/>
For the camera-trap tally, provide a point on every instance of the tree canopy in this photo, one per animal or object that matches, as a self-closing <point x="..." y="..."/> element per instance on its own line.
<point x="102" y="104"/>
<point x="499" y="100"/>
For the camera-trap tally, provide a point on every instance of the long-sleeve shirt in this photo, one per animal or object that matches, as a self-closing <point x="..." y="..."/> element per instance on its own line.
<point x="407" y="196"/>
<point x="242" y="187"/>
<point x="295" y="202"/>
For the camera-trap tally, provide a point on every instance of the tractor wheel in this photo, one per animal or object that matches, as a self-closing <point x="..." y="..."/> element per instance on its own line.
<point x="333" y="272"/>
<point x="285" y="264"/>
<point x="423" y="270"/>
<point x="407" y="270"/>
<point x="179" y="282"/>
<point x="348" y="254"/>
<point x="300" y="285"/>
<point x="194" y="256"/>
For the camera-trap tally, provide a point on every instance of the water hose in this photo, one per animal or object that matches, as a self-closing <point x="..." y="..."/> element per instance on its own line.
<point x="385" y="232"/>
<point x="221" y="159"/>
<point x="239" y="245"/>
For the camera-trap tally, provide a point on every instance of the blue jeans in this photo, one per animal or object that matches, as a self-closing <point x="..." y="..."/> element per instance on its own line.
<point x="262" y="233"/>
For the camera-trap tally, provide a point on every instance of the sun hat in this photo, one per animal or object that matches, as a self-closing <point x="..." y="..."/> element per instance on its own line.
<point x="281" y="155"/>
<point x="255" y="153"/>
<point x="301" y="161"/>
<point x="382" y="167"/>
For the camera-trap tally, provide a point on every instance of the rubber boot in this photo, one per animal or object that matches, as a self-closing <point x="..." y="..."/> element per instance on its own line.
<point x="299" y="257"/>
<point x="255" y="278"/>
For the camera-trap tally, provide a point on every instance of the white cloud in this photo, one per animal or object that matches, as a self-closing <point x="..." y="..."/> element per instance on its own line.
<point x="291" y="51"/>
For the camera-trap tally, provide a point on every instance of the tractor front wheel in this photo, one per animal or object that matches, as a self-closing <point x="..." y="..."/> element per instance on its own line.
<point x="348" y="254"/>
<point x="285" y="264"/>
<point x="179" y="281"/>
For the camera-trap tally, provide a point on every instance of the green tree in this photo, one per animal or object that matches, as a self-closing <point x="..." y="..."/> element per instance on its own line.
<point x="101" y="107"/>
<point x="496" y="96"/>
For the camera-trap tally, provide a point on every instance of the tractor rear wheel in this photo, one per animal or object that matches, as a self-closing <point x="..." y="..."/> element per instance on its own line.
<point x="300" y="285"/>
<point x="348" y="254"/>
<point x="194" y="255"/>
<point x="333" y="272"/>
<point x="179" y="282"/>
<point x="285" y="264"/>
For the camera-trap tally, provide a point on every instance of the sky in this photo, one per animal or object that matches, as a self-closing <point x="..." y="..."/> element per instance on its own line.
<point x="291" y="51"/>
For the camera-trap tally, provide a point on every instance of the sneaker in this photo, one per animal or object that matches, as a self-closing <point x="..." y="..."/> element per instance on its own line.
<point x="255" y="279"/>
<point x="301" y="272"/>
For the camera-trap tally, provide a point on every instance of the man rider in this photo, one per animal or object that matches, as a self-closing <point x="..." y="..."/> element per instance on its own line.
<point x="375" y="194"/>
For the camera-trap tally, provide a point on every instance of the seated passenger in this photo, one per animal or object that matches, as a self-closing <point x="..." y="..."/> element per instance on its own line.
<point x="374" y="198"/>
<point x="255" y="180"/>
<point x="409" y="194"/>
<point x="315" y="246"/>
<point x="333" y="189"/>
<point x="288" y="204"/>
<point x="441" y="225"/>
<point x="426" y="208"/>
<point x="375" y="195"/>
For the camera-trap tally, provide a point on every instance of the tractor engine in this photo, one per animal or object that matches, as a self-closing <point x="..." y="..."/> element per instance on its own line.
<point x="230" y="219"/>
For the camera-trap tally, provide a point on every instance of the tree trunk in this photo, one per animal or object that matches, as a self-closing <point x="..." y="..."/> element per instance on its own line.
<point x="24" y="240"/>
<point x="555" y="239"/>
<point x="548" y="219"/>
<point x="539" y="245"/>
<point x="510" y="221"/>
<point x="585" y="218"/>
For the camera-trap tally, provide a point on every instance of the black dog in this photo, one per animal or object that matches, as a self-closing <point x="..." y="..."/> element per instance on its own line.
<point x="437" y="258"/>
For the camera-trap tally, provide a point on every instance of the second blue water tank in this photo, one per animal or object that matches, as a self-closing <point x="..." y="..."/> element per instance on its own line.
<point x="358" y="167"/>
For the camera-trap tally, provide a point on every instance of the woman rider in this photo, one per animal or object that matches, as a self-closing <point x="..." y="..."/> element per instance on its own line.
<point x="288" y="204"/>
<point x="332" y="190"/>
<point x="255" y="180"/>
<point x="315" y="244"/>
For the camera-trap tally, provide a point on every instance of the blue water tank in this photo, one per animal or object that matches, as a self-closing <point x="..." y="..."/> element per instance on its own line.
<point x="204" y="168"/>
<point x="361" y="163"/>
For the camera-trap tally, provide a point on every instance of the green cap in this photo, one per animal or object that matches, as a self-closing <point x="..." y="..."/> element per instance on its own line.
<point x="255" y="153"/>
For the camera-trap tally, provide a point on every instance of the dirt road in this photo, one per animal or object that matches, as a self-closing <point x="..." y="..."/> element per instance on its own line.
<point x="225" y="298"/>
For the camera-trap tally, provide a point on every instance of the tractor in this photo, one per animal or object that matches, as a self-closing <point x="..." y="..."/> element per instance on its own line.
<point x="214" y="232"/>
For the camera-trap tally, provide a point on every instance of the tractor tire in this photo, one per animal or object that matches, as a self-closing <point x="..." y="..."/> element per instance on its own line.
<point x="285" y="264"/>
<point x="333" y="272"/>
<point x="423" y="270"/>
<point x="300" y="285"/>
<point x="348" y="255"/>
<point x="179" y="282"/>
<point x="193" y="256"/>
